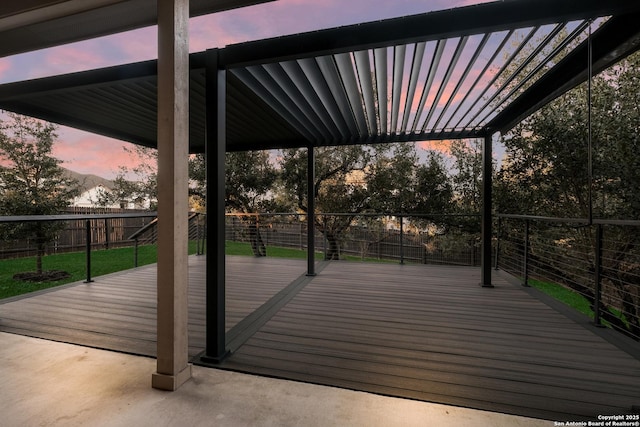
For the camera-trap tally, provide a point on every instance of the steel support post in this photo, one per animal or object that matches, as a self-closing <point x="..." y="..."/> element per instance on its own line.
<point x="311" y="212"/>
<point x="487" y="170"/>
<point x="216" y="349"/>
<point x="173" y="368"/>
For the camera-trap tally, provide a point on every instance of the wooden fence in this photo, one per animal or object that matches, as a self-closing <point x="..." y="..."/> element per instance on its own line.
<point x="105" y="233"/>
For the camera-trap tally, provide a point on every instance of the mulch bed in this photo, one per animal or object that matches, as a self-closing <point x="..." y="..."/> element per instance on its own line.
<point x="45" y="276"/>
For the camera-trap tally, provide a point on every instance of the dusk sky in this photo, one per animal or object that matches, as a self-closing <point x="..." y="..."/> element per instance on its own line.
<point x="89" y="153"/>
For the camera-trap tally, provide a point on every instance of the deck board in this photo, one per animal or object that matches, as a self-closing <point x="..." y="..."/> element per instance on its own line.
<point x="431" y="333"/>
<point x="118" y="311"/>
<point x="420" y="332"/>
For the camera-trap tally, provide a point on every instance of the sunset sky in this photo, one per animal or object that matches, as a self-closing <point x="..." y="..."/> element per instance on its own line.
<point x="88" y="153"/>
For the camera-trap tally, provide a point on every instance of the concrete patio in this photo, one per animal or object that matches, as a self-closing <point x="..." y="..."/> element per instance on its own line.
<point x="46" y="383"/>
<point x="412" y="332"/>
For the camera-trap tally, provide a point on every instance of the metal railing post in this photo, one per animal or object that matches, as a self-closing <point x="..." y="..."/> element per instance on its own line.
<point x="106" y="233"/>
<point x="401" y="241"/>
<point x="324" y="235"/>
<point x="526" y="255"/>
<point x="88" y="250"/>
<point x="135" y="253"/>
<point x="198" y="236"/>
<point x="598" y="277"/>
<point x="495" y="267"/>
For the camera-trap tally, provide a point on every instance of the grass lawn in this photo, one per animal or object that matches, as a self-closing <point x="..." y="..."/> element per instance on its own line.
<point x="242" y="248"/>
<point x="564" y="295"/>
<point x="102" y="262"/>
<point x="573" y="299"/>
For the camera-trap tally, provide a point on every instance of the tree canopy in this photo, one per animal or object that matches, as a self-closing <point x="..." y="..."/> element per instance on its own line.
<point x="31" y="180"/>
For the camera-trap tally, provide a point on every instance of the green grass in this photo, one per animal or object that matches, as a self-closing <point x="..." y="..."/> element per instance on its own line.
<point x="564" y="295"/>
<point x="573" y="299"/>
<point x="242" y="248"/>
<point x="102" y="262"/>
<point x="369" y="259"/>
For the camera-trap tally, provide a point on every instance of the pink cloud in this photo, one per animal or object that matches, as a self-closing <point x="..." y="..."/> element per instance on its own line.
<point x="71" y="58"/>
<point x="92" y="154"/>
<point x="440" y="146"/>
<point x="138" y="45"/>
<point x="5" y="66"/>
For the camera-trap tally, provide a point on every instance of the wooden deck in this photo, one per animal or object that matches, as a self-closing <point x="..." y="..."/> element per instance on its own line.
<point x="118" y="311"/>
<point x="420" y="332"/>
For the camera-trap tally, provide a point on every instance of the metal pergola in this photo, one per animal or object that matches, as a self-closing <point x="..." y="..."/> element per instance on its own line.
<point x="461" y="73"/>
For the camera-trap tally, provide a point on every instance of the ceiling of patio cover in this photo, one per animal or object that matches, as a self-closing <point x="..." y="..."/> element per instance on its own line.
<point x="457" y="73"/>
<point x="28" y="25"/>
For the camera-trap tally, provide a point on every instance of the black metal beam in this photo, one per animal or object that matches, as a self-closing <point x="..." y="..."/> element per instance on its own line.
<point x="476" y="19"/>
<point x="85" y="79"/>
<point x="215" y="346"/>
<point x="377" y="139"/>
<point x="73" y="121"/>
<point x="311" y="211"/>
<point x="612" y="42"/>
<point x="487" y="208"/>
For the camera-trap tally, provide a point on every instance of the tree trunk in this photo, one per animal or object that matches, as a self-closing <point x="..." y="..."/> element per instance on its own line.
<point x="333" y="251"/>
<point x="257" y="245"/>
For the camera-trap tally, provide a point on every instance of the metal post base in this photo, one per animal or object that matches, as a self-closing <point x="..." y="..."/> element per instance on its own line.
<point x="215" y="360"/>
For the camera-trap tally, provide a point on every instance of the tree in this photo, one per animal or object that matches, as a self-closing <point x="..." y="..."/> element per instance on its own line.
<point x="249" y="180"/>
<point x="143" y="189"/>
<point x="351" y="180"/>
<point x="433" y="189"/>
<point x="546" y="172"/>
<point x="31" y="180"/>
<point x="198" y="182"/>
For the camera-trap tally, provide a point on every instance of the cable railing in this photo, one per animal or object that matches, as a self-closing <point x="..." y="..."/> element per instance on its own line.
<point x="148" y="234"/>
<point x="426" y="239"/>
<point x="90" y="232"/>
<point x="599" y="261"/>
<point x="109" y="229"/>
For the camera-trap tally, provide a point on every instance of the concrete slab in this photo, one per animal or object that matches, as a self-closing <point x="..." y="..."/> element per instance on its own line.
<point x="45" y="383"/>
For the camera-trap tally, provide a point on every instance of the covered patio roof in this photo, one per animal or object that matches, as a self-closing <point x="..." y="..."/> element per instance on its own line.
<point x="36" y="24"/>
<point x="459" y="73"/>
